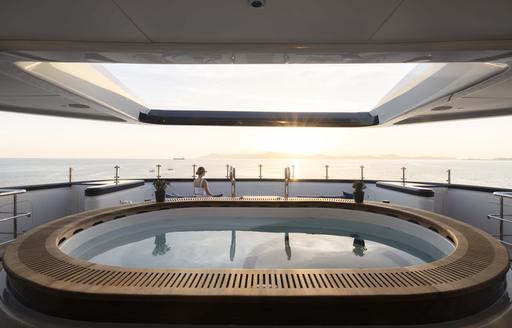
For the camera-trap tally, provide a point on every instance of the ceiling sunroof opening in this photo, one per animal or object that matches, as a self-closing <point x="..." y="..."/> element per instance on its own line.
<point x="340" y="88"/>
<point x="326" y="95"/>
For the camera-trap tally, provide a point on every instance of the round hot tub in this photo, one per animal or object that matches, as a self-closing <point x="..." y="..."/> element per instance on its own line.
<point x="263" y="238"/>
<point x="258" y="261"/>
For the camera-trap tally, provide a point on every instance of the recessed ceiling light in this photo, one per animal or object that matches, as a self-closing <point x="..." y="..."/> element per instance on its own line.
<point x="257" y="3"/>
<point x="439" y="108"/>
<point x="78" y="106"/>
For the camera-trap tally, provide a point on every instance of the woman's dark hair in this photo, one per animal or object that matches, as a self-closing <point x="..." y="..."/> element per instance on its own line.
<point x="200" y="170"/>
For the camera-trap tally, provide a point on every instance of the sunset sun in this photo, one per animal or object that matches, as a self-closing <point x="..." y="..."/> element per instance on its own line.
<point x="300" y="141"/>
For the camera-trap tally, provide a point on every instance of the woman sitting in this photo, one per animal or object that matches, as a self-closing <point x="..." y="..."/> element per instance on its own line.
<point x="200" y="183"/>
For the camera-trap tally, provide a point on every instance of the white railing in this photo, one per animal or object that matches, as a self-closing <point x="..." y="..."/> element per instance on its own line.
<point x="14" y="215"/>
<point x="501" y="216"/>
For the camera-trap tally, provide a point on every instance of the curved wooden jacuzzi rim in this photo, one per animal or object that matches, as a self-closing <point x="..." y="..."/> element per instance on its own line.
<point x="477" y="265"/>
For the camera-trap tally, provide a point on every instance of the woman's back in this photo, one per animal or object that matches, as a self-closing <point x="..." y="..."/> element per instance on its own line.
<point x="199" y="187"/>
<point x="200" y="183"/>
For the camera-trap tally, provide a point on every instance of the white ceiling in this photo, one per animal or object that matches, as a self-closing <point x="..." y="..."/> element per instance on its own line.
<point x="308" y="21"/>
<point x="278" y="21"/>
<point x="448" y="20"/>
<point x="14" y="88"/>
<point x="99" y="20"/>
<point x="225" y="31"/>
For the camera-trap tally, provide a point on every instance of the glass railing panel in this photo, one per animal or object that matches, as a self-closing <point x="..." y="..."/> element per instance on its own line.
<point x="21" y="172"/>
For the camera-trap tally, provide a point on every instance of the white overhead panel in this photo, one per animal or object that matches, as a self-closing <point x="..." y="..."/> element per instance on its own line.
<point x="53" y="106"/>
<point x="448" y="20"/>
<point x="277" y="21"/>
<point x="10" y="87"/>
<point x="440" y="91"/>
<point x="90" y="82"/>
<point x="39" y="38"/>
<point x="78" y="20"/>
<point x="231" y="31"/>
<point x="500" y="90"/>
<point x="23" y="89"/>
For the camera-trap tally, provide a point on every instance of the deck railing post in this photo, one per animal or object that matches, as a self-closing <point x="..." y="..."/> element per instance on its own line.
<point x="362" y="172"/>
<point x="15" y="213"/>
<point x="116" y="177"/>
<point x="158" y="171"/>
<point x="501" y="216"/>
<point x="403" y="174"/>
<point x="227" y="171"/>
<point x="232" y="177"/>
<point x="70" y="174"/>
<point x="260" y="166"/>
<point x="286" y="182"/>
<point x="326" y="172"/>
<point x="194" y="171"/>
<point x="449" y="180"/>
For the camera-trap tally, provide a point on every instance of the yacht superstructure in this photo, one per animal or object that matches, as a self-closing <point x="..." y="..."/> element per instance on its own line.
<point x="49" y="51"/>
<point x="51" y="63"/>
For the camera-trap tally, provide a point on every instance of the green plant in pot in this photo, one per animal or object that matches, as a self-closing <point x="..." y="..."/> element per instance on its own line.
<point x="359" y="188"/>
<point x="160" y="186"/>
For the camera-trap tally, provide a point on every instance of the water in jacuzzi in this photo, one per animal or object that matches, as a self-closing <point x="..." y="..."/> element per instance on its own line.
<point x="231" y="243"/>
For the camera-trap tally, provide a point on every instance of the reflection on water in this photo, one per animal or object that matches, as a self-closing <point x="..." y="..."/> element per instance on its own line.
<point x="160" y="245"/>
<point x="255" y="249"/>
<point x="359" y="245"/>
<point x="232" y="249"/>
<point x="287" y="247"/>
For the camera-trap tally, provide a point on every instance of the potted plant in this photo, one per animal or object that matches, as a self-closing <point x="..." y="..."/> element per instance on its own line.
<point x="160" y="186"/>
<point x="359" y="188"/>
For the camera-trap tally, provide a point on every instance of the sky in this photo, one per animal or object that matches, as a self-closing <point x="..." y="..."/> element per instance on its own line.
<point x="24" y="135"/>
<point x="270" y="87"/>
<point x="249" y="87"/>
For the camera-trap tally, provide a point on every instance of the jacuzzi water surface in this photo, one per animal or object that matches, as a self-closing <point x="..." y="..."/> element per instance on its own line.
<point x="258" y="238"/>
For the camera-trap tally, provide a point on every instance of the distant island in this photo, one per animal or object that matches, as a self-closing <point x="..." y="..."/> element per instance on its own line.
<point x="488" y="159"/>
<point x="279" y="155"/>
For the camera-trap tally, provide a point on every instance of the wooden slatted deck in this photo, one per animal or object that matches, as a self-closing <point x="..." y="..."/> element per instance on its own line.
<point x="466" y="281"/>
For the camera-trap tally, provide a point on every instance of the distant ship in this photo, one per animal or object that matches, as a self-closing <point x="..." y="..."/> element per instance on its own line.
<point x="179" y="158"/>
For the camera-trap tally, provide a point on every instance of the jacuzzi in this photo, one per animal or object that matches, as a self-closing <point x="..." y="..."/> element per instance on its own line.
<point x="258" y="238"/>
<point x="258" y="260"/>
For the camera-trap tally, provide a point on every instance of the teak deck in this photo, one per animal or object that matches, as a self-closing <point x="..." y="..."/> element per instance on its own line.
<point x="462" y="283"/>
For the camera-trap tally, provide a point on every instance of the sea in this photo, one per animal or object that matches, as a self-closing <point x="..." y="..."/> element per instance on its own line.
<point x="23" y="171"/>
